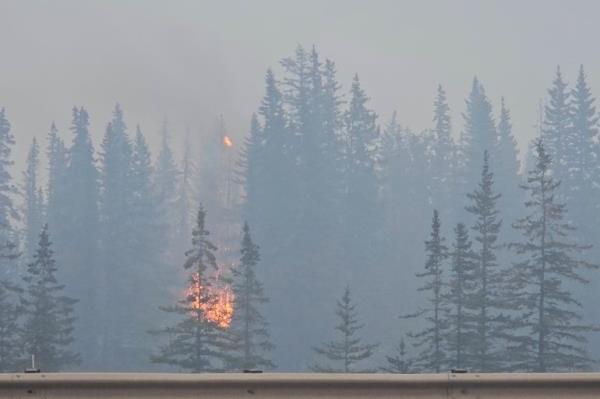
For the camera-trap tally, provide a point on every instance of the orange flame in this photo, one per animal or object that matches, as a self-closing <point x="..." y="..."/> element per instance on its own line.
<point x="221" y="311"/>
<point x="227" y="141"/>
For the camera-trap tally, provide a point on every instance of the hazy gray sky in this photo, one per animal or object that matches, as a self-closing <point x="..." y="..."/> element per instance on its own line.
<point x="192" y="60"/>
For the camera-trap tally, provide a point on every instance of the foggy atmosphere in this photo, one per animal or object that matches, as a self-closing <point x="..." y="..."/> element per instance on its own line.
<point x="342" y="186"/>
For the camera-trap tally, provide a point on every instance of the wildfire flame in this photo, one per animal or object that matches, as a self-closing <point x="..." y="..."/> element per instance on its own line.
<point x="219" y="312"/>
<point x="227" y="141"/>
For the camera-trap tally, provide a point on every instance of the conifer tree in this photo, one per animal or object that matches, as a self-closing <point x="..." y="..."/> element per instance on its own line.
<point x="488" y="297"/>
<point x="9" y="310"/>
<point x="249" y="327"/>
<point x="506" y="166"/>
<point x="49" y="319"/>
<point x="582" y="183"/>
<point x="195" y="343"/>
<point x="186" y="196"/>
<point x="116" y="237"/>
<point x="271" y="180"/>
<point x="345" y="353"/>
<point x="361" y="181"/>
<point x="33" y="206"/>
<point x="56" y="154"/>
<point x="442" y="155"/>
<point x="462" y="287"/>
<point x="558" y="123"/>
<point x="78" y="250"/>
<point x="551" y="334"/>
<point x="165" y="184"/>
<point x="8" y="212"/>
<point x="252" y="169"/>
<point x="398" y="362"/>
<point x="478" y="135"/>
<point x="148" y="282"/>
<point x="430" y="340"/>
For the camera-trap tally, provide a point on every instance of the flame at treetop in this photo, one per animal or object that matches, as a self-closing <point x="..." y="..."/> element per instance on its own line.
<point x="227" y="141"/>
<point x="219" y="312"/>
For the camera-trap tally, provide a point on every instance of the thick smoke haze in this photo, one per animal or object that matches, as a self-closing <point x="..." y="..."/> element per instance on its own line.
<point x="393" y="158"/>
<point x="190" y="61"/>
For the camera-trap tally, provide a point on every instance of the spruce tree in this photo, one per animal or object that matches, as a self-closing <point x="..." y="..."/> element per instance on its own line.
<point x="551" y="335"/>
<point x="271" y="180"/>
<point x="8" y="212"/>
<point x="33" y="207"/>
<point x="506" y="166"/>
<point x="116" y="242"/>
<point x="361" y="183"/>
<point x="478" y="135"/>
<point x="344" y="354"/>
<point x="558" y="123"/>
<point x="251" y="166"/>
<point x="432" y="356"/>
<point x="149" y="283"/>
<point x="442" y="155"/>
<point x="581" y="159"/>
<point x="195" y="343"/>
<point x="10" y="341"/>
<point x="462" y="287"/>
<point x="165" y="185"/>
<point x="398" y="362"/>
<point x="250" y="344"/>
<point x="10" y="350"/>
<point x="78" y="250"/>
<point x="488" y="297"/>
<point x="49" y="320"/>
<point x="56" y="154"/>
<point x="185" y="196"/>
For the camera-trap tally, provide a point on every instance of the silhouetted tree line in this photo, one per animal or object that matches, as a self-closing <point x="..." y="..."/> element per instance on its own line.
<point x="92" y="258"/>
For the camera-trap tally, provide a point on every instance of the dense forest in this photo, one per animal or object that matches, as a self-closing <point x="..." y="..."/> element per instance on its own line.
<point x="330" y="240"/>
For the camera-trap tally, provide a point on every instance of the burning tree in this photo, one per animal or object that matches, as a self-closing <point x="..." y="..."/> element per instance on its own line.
<point x="249" y="328"/>
<point x="349" y="349"/>
<point x="197" y="342"/>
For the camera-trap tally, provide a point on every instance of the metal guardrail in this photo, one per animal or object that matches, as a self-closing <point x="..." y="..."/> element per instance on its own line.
<point x="283" y="385"/>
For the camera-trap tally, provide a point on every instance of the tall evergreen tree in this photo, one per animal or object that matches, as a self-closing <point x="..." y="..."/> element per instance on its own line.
<point x="249" y="327"/>
<point x="442" y="155"/>
<point x="49" y="319"/>
<point x="558" y="123"/>
<point x="487" y="352"/>
<point x="79" y="244"/>
<point x="165" y="183"/>
<point x="251" y="166"/>
<point x="349" y="350"/>
<point x="479" y="135"/>
<point x="150" y="283"/>
<point x="116" y="239"/>
<point x="581" y="157"/>
<point x="361" y="180"/>
<point x="506" y="166"/>
<point x="33" y="206"/>
<point x="195" y="342"/>
<point x="552" y="335"/>
<point x="462" y="288"/>
<point x="430" y="340"/>
<point x="8" y="212"/>
<point x="9" y="311"/>
<point x="271" y="180"/>
<point x="56" y="154"/>
<point x="186" y="196"/>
